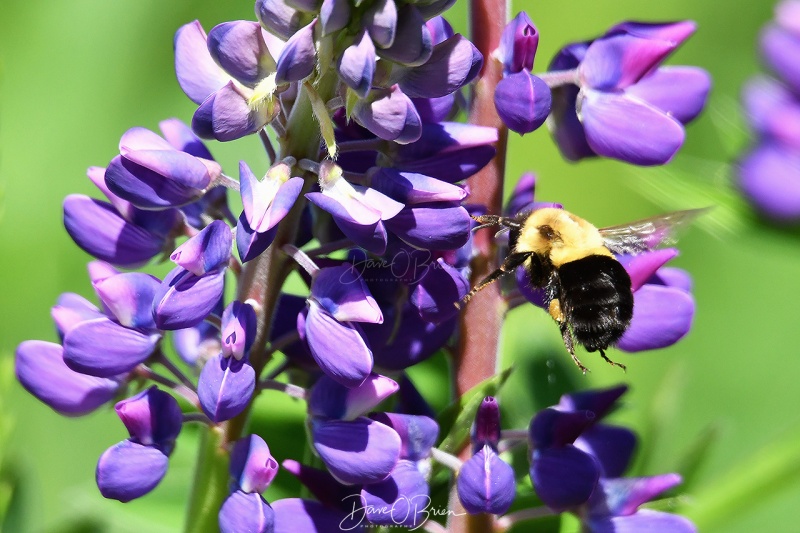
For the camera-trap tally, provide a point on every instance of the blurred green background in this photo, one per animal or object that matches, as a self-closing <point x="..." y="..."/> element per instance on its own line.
<point x="75" y="75"/>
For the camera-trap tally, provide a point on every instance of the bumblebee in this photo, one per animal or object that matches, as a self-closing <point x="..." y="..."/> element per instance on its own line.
<point x="587" y="291"/>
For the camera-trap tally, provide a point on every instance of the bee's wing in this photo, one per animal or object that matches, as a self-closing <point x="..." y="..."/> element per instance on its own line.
<point x="643" y="235"/>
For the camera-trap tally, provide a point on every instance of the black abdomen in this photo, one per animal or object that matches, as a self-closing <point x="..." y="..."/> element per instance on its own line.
<point x="596" y="299"/>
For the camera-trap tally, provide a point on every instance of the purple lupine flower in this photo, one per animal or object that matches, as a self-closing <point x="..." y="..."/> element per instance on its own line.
<point x="253" y="468"/>
<point x="230" y="74"/>
<point x="135" y="466"/>
<point x="238" y="332"/>
<point x="522" y="100"/>
<point x="623" y="104"/>
<point x="40" y="368"/>
<point x="485" y="482"/>
<point x="298" y="57"/>
<point x="780" y="43"/>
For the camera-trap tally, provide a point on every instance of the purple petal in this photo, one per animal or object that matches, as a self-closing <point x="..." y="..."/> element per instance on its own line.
<point x="249" y="243"/>
<point x="433" y="110"/>
<point x="787" y="14"/>
<point x="343" y="294"/>
<point x="552" y="428"/>
<point x="453" y="64"/>
<point x="334" y="15"/>
<point x="298" y="58"/>
<point x="278" y="17"/>
<point x="208" y="250"/>
<point x="644" y="520"/>
<point x="772" y="110"/>
<point x="40" y="368"/>
<point x="452" y="166"/>
<point x="293" y="515"/>
<point x="523" y="194"/>
<point x="266" y="202"/>
<point x="661" y="317"/>
<point x="184" y="299"/>
<point x="152" y="418"/>
<point x="623" y="496"/>
<point x="252" y="464"/>
<point x="321" y="484"/>
<point x="780" y="49"/>
<point x="565" y="125"/>
<point x="390" y="115"/>
<point x="674" y="277"/>
<point x="400" y="500"/>
<point x="612" y="447"/>
<point x="563" y="477"/>
<point x="72" y="309"/>
<point x="129" y="470"/>
<point x="413" y="188"/>
<point x="435" y="8"/>
<point x="225" y="387"/>
<point x="441" y="287"/>
<point x="486" y="483"/>
<point x="769" y="177"/>
<point x="181" y="137"/>
<point x="338" y="348"/>
<point x="615" y="62"/>
<point x="227" y="115"/>
<point x="332" y="400"/>
<point x="411" y="44"/>
<point x="238" y="332"/>
<point x="418" y="433"/>
<point x="676" y="32"/>
<point x="357" y="63"/>
<point x="598" y="401"/>
<point x="100" y="270"/>
<point x="432" y="226"/>
<point x="486" y="429"/>
<point x="358" y="451"/>
<point x="99" y="230"/>
<point x="380" y="20"/>
<point x="242" y="512"/>
<point x="679" y="91"/>
<point x="414" y="341"/>
<point x="518" y="44"/>
<point x="87" y="348"/>
<point x="129" y="297"/>
<point x="198" y="75"/>
<point x="446" y="137"/>
<point x="197" y="344"/>
<point x="239" y="48"/>
<point x="628" y="130"/>
<point x="440" y="29"/>
<point x="139" y="138"/>
<point x="522" y="101"/>
<point x="643" y="266"/>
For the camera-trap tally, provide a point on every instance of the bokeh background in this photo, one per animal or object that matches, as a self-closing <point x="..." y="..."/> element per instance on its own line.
<point x="721" y="405"/>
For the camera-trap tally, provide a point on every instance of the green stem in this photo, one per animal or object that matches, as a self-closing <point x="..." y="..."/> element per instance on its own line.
<point x="210" y="485"/>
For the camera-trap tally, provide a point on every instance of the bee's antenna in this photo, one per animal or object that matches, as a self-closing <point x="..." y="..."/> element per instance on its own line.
<point x="487" y="221"/>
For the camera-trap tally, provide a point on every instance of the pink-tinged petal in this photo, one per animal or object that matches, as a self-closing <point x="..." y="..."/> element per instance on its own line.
<point x="344" y="294"/>
<point x="152" y="418"/>
<point x="644" y="520"/>
<point x="239" y="48"/>
<point x="139" y="138"/>
<point x="299" y="57"/>
<point x="238" y="331"/>
<point x="129" y="470"/>
<point x="680" y="92"/>
<point x="252" y="464"/>
<point x="129" y="296"/>
<point x="99" y="230"/>
<point x="361" y="451"/>
<point x="330" y="399"/>
<point x="198" y="75"/>
<point x="769" y="178"/>
<point x="518" y="44"/>
<point x="615" y="62"/>
<point x="72" y="309"/>
<point x="181" y="137"/>
<point x="628" y="130"/>
<point x="99" y="270"/>
<point x="642" y="267"/>
<point x="390" y="115"/>
<point x="412" y="44"/>
<point x="563" y="477"/>
<point x="623" y="496"/>
<point x="485" y="483"/>
<point x="381" y="22"/>
<point x="675" y="32"/>
<point x="246" y="513"/>
<point x="413" y="188"/>
<point x="225" y="387"/>
<point x="184" y="299"/>
<point x="278" y="17"/>
<point x="40" y="368"/>
<point x="293" y="515"/>
<point x="338" y="348"/>
<point x="208" y="250"/>
<point x="400" y="500"/>
<point x="432" y="226"/>
<point x="103" y="348"/>
<point x="522" y="101"/>
<point x="661" y="317"/>
<point x="453" y="64"/>
<point x="357" y="63"/>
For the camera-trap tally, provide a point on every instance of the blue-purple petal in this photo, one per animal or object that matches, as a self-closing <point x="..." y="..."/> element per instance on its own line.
<point x="453" y="64"/>
<point x="242" y="512"/>
<point x="486" y="483"/>
<point x="298" y="57"/>
<point x="129" y="470"/>
<point x="432" y="226"/>
<point x="103" y="348"/>
<point x="225" y="387"/>
<point x="563" y="477"/>
<point x="357" y="63"/>
<point x="128" y="296"/>
<point x="661" y="317"/>
<point x="252" y="464"/>
<point x="522" y="101"/>
<point x="239" y="48"/>
<point x="249" y="243"/>
<point x="644" y="520"/>
<point x="152" y="418"/>
<point x="400" y="500"/>
<point x="198" y="75"/>
<point x="184" y="300"/>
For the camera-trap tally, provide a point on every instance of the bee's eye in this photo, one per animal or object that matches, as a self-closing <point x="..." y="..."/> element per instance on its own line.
<point x="548" y="233"/>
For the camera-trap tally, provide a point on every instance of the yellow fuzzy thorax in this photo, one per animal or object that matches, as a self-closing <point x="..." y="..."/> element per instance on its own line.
<point x="572" y="237"/>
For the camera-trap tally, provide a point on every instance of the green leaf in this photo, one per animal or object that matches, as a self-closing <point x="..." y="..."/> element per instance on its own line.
<point x="456" y="419"/>
<point x="695" y="456"/>
<point x="775" y="467"/>
<point x="351" y="99"/>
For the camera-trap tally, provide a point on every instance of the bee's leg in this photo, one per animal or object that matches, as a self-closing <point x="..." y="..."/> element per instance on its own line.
<point x="603" y="355"/>
<point x="508" y="266"/>
<point x="486" y="221"/>
<point x="554" y="308"/>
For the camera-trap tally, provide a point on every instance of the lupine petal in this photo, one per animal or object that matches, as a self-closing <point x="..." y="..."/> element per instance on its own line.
<point x="298" y="57"/>
<point x="623" y="496"/>
<point x="399" y="500"/>
<point x="418" y="433"/>
<point x="518" y="44"/>
<point x="129" y="470"/>
<point x="152" y="418"/>
<point x="675" y="32"/>
<point x="197" y="344"/>
<point x="769" y="177"/>
<point x="486" y="483"/>
<point x="139" y="138"/>
<point x="240" y="50"/>
<point x="208" y="250"/>
<point x="72" y="309"/>
<point x="338" y="348"/>
<point x="452" y="166"/>
<point x="644" y="520"/>
<point x="613" y="63"/>
<point x="198" y="75"/>
<point x="435" y="8"/>
<point x="358" y="451"/>
<point x="129" y="296"/>
<point x="438" y="291"/>
<point x="225" y="387"/>
<point x="381" y="22"/>
<point x="357" y="63"/>
<point x="412" y="44"/>
<point x="522" y="101"/>
<point x="432" y="226"/>
<point x="612" y="447"/>
<point x="453" y="64"/>
<point x="440" y="29"/>
<point x="563" y="477"/>
<point x="322" y="485"/>
<point x="178" y="181"/>
<point x="343" y="293"/>
<point x="238" y="332"/>
<point x="249" y="243"/>
<point x="486" y="429"/>
<point x="184" y="299"/>
<point x="414" y="341"/>
<point x="642" y="267"/>
<point x="334" y="15"/>
<point x="278" y="17"/>
<point x="661" y="317"/>
<point x="252" y="464"/>
<point x="40" y="368"/>
<point x="552" y="428"/>
<point x="566" y="126"/>
<point x="413" y="188"/>
<point x="181" y="137"/>
<point x="625" y="129"/>
<point x="332" y="400"/>
<point x="293" y="515"/>
<point x="87" y="348"/>
<point x="434" y="110"/>
<point x="674" y="277"/>
<point x="679" y="91"/>
<point x="99" y="230"/>
<point x="227" y="114"/>
<point x="779" y="48"/>
<point x="242" y="512"/>
<point x="389" y="114"/>
<point x="446" y="137"/>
